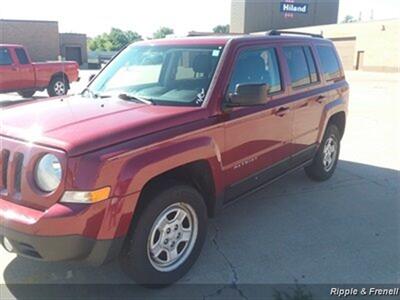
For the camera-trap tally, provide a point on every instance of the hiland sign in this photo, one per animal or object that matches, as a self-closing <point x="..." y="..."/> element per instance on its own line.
<point x="290" y="7"/>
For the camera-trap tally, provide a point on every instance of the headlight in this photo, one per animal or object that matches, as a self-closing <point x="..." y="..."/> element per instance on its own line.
<point x="48" y="173"/>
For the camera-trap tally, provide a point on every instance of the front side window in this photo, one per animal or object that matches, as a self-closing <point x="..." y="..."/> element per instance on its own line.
<point x="256" y="66"/>
<point x="167" y="75"/>
<point x="299" y="69"/>
<point x="5" y="57"/>
<point x="22" y="57"/>
<point x="329" y="62"/>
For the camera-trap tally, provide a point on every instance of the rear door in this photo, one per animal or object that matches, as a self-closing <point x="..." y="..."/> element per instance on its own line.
<point x="26" y="73"/>
<point x="256" y="138"/>
<point x="308" y="100"/>
<point x="8" y="71"/>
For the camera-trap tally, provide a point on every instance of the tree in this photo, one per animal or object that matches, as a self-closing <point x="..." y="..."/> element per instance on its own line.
<point x="113" y="41"/>
<point x="349" y="19"/>
<point x="162" y="32"/>
<point x="221" y="29"/>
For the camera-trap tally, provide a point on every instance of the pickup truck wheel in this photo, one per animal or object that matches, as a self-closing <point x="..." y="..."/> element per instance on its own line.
<point x="26" y="94"/>
<point x="325" y="161"/>
<point x="58" y="86"/>
<point x="167" y="238"/>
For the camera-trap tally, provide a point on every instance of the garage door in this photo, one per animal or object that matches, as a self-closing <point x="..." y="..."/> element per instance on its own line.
<point x="73" y="54"/>
<point x="347" y="51"/>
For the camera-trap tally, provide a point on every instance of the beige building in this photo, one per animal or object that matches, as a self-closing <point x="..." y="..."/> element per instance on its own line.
<point x="43" y="40"/>
<point x="368" y="46"/>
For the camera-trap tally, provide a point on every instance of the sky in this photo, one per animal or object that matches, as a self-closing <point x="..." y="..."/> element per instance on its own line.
<point x="146" y="16"/>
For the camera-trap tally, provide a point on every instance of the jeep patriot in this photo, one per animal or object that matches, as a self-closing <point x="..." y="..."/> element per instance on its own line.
<point x="164" y="137"/>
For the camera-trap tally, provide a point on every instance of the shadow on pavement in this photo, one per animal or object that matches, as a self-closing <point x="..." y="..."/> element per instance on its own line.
<point x="343" y="231"/>
<point x="5" y="103"/>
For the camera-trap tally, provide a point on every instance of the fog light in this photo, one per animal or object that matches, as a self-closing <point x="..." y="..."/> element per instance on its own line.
<point x="7" y="245"/>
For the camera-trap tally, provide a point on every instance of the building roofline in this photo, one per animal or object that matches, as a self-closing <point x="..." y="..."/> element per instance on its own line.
<point x="73" y="33"/>
<point x="28" y="21"/>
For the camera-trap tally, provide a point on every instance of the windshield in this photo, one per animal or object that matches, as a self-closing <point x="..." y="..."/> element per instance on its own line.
<point x="168" y="75"/>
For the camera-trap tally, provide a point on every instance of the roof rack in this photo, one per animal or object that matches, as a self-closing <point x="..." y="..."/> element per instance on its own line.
<point x="280" y="32"/>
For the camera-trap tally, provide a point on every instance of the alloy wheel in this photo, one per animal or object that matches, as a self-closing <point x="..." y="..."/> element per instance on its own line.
<point x="172" y="237"/>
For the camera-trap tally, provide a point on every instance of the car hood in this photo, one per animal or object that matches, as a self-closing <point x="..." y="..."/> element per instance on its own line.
<point x="79" y="125"/>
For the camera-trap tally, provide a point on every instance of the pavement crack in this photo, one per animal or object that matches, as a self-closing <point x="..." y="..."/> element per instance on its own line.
<point x="385" y="179"/>
<point x="235" y="278"/>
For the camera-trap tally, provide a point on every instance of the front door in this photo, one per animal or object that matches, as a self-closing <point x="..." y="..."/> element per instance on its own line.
<point x="26" y="73"/>
<point x="8" y="71"/>
<point x="256" y="138"/>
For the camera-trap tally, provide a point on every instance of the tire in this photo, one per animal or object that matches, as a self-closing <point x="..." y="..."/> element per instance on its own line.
<point x="58" y="86"/>
<point x="162" y="207"/>
<point x="322" y="168"/>
<point x="26" y="94"/>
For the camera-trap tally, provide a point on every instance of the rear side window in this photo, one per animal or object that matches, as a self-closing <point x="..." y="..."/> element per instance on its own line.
<point x="22" y="57"/>
<point x="5" y="57"/>
<point x="257" y="66"/>
<point x="301" y="65"/>
<point x="329" y="62"/>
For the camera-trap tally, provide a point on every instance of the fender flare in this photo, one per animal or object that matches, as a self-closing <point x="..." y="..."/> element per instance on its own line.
<point x="139" y="170"/>
<point x="330" y="109"/>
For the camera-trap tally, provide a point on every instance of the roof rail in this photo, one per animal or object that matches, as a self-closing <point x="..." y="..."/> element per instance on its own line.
<point x="280" y="32"/>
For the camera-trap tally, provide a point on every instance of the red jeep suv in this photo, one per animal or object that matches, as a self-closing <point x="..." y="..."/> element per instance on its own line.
<point x="166" y="135"/>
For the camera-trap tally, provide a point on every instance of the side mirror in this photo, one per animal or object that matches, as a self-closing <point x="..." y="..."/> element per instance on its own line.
<point x="91" y="77"/>
<point x="249" y="95"/>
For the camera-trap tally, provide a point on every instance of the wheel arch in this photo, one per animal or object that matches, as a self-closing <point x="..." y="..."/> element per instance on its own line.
<point x="197" y="174"/>
<point x="338" y="119"/>
<point x="62" y="75"/>
<point x="334" y="113"/>
<point x="196" y="162"/>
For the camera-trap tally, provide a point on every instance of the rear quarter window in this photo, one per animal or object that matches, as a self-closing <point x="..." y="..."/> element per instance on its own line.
<point x="329" y="62"/>
<point x="5" y="57"/>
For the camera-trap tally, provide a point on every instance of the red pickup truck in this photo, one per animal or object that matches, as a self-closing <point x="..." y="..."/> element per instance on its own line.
<point x="19" y="74"/>
<point x="166" y="135"/>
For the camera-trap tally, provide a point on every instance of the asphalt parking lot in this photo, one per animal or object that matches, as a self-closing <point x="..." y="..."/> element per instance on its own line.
<point x="344" y="231"/>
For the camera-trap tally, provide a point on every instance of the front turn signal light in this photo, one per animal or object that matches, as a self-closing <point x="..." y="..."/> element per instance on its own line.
<point x="86" y="197"/>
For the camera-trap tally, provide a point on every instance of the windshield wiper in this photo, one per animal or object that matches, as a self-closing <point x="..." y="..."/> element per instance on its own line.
<point x="130" y="97"/>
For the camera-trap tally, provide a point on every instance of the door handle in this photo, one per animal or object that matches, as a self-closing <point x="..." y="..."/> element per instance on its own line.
<point x="305" y="104"/>
<point x="320" y="99"/>
<point x="280" y="112"/>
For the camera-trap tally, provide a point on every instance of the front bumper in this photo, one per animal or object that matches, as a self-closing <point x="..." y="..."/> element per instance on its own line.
<point x="91" y="233"/>
<point x="62" y="248"/>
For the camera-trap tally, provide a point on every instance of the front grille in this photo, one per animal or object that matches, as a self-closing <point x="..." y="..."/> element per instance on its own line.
<point x="5" y="156"/>
<point x="19" y="160"/>
<point x="11" y="165"/>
